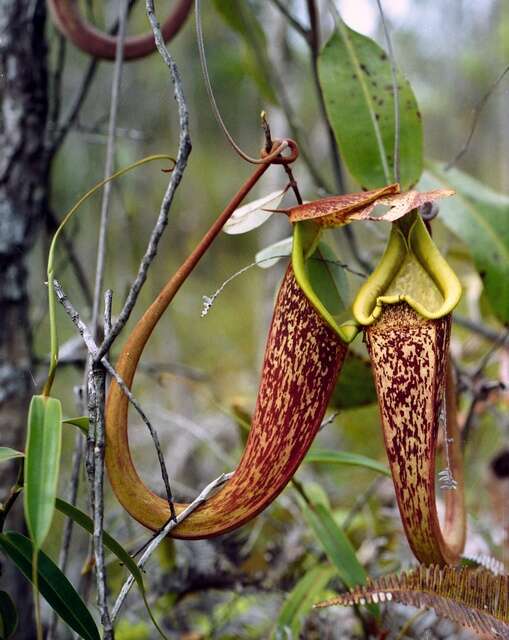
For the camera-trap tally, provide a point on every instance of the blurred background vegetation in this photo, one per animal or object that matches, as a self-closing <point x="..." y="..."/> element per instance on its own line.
<point x="197" y="370"/>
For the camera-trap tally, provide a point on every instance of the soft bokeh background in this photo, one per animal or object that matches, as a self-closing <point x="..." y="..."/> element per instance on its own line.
<point x="197" y="368"/>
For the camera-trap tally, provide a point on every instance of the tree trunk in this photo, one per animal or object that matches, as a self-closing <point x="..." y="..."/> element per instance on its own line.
<point x="23" y="203"/>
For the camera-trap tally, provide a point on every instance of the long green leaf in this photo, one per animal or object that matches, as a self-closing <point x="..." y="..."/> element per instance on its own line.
<point x="348" y="459"/>
<point x="6" y="453"/>
<point x="8" y="616"/>
<point x="115" y="547"/>
<point x="53" y="585"/>
<point x="42" y="465"/>
<point x="480" y="218"/>
<point x="336" y="545"/>
<point x="356" y="79"/>
<point x="300" y="601"/>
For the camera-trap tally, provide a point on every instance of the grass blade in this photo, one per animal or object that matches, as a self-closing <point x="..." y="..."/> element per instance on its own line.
<point x="300" y="601"/>
<point x="349" y="459"/>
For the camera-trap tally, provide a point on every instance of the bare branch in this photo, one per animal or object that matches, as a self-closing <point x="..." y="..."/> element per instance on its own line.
<point x="176" y="176"/>
<point x="476" y="114"/>
<point x="93" y="349"/>
<point x="161" y="535"/>
<point x="96" y="391"/>
<point x="476" y="327"/>
<point x="108" y="299"/>
<point x="96" y="376"/>
<point x="300" y="28"/>
<point x="56" y="138"/>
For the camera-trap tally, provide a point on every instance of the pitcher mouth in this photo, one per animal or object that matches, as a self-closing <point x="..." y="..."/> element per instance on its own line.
<point x="411" y="270"/>
<point x="306" y="235"/>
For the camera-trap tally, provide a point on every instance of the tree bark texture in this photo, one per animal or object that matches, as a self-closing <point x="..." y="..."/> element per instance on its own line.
<point x="23" y="206"/>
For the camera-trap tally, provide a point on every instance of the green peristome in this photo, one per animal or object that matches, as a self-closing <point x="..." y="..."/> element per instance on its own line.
<point x="412" y="270"/>
<point x="306" y="236"/>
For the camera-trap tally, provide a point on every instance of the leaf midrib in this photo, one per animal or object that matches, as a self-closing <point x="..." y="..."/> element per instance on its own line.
<point x="358" y="72"/>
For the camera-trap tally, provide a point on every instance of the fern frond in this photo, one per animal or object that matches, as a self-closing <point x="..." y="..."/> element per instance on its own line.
<point x="487" y="562"/>
<point x="474" y="598"/>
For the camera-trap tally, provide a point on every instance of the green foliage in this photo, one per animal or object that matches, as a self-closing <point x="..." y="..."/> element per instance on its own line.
<point x="479" y="216"/>
<point x="240" y="18"/>
<point x="53" y="585"/>
<point x="8" y="616"/>
<point x="81" y="422"/>
<point x="115" y="547"/>
<point x="6" y="453"/>
<point x="300" y="601"/>
<point x="355" y="75"/>
<point x="322" y="280"/>
<point x="335" y="543"/>
<point x="348" y="459"/>
<point x="127" y="630"/>
<point x="337" y="546"/>
<point x="42" y="465"/>
<point x="327" y="278"/>
<point x="355" y="386"/>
